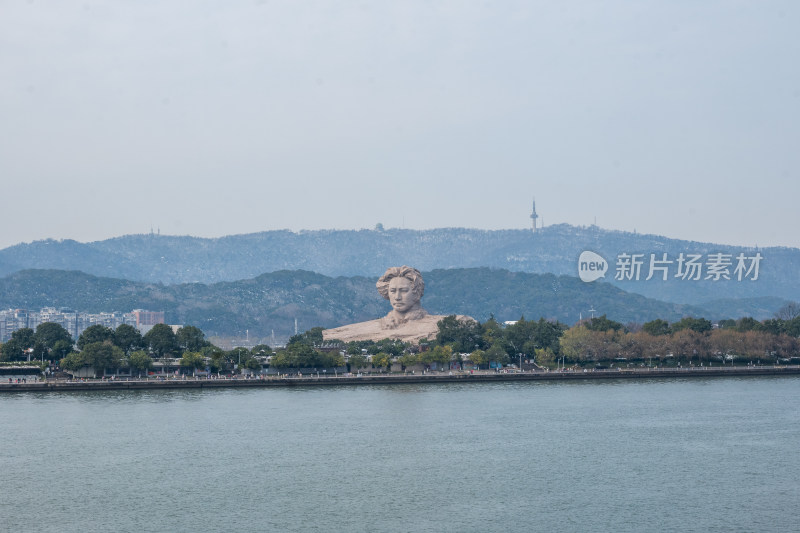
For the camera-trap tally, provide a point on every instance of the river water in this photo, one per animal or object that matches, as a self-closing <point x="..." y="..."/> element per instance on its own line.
<point x="674" y="455"/>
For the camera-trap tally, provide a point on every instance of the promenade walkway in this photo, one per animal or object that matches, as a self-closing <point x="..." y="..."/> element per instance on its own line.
<point x="384" y="378"/>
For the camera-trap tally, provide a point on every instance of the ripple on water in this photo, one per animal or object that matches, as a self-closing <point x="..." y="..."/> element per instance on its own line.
<point x="705" y="455"/>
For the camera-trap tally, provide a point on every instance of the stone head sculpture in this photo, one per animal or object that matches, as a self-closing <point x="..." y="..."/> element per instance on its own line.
<point x="407" y="321"/>
<point x="403" y="287"/>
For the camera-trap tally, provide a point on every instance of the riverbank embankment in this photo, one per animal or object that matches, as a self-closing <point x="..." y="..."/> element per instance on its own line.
<point x="389" y="379"/>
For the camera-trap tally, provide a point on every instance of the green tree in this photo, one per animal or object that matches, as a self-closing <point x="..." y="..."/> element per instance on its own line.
<point x="191" y="338"/>
<point x="21" y="340"/>
<point x="128" y="338"/>
<point x="25" y="336"/>
<point x="102" y="355"/>
<point x="253" y="364"/>
<point x="299" y="354"/>
<point x="332" y="360"/>
<point x="161" y="340"/>
<point x="283" y="359"/>
<point x="497" y="354"/>
<point x="356" y="347"/>
<point x="12" y="350"/>
<point x="193" y="360"/>
<point x="210" y="350"/>
<point x="357" y="361"/>
<point x="526" y="336"/>
<point x="577" y="344"/>
<point x="545" y="356"/>
<point x="393" y="347"/>
<point x="261" y="349"/>
<point x="305" y="355"/>
<point x="382" y="360"/>
<point x="439" y="354"/>
<point x="748" y="323"/>
<point x="61" y="348"/>
<point x="49" y="333"/>
<point x="793" y="327"/>
<point x="40" y="351"/>
<point x="218" y="361"/>
<point x="234" y="356"/>
<point x="243" y="358"/>
<point x="603" y="323"/>
<point x="140" y="361"/>
<point x="479" y="358"/>
<point x="700" y="325"/>
<point x="518" y="334"/>
<point x="464" y="335"/>
<point x="657" y="327"/>
<point x="72" y="362"/>
<point x="455" y="359"/>
<point x="775" y="326"/>
<point x="312" y="337"/>
<point x="93" y="334"/>
<point x="492" y="332"/>
<point x="408" y="360"/>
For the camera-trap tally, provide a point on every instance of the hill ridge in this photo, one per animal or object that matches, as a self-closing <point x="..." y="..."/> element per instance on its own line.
<point x="272" y="301"/>
<point x="554" y="249"/>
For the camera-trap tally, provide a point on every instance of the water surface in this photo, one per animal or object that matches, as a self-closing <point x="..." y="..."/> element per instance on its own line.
<point x="673" y="455"/>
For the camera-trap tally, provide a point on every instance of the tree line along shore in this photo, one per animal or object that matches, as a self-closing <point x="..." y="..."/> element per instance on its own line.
<point x="595" y="343"/>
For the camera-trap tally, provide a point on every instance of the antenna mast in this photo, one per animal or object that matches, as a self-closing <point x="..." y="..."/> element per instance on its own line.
<point x="534" y="216"/>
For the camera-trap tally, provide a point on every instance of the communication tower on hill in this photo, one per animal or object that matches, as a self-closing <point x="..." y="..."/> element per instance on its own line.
<point x="534" y="216"/>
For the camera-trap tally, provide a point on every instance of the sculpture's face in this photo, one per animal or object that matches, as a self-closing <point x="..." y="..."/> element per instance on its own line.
<point x="401" y="294"/>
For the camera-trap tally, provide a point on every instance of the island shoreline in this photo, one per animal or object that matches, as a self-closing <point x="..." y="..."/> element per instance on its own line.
<point x="395" y="379"/>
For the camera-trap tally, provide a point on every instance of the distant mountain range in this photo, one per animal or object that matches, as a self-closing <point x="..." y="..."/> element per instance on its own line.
<point x="271" y="302"/>
<point x="264" y="281"/>
<point x="553" y="250"/>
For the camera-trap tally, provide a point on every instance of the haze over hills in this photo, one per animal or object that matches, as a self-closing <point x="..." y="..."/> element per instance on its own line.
<point x="554" y="249"/>
<point x="273" y="301"/>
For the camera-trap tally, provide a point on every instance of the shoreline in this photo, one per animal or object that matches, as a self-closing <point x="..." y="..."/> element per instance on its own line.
<point x="392" y="379"/>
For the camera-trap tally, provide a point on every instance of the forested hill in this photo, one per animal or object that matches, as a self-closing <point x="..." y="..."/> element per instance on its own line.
<point x="554" y="249"/>
<point x="273" y="301"/>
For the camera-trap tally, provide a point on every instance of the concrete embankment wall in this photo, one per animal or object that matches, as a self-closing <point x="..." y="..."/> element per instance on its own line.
<point x="394" y="379"/>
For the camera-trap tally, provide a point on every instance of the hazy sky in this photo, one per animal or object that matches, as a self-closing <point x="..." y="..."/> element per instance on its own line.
<point x="211" y="118"/>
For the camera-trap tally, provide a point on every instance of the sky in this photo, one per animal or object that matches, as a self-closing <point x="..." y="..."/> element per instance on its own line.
<point x="211" y="118"/>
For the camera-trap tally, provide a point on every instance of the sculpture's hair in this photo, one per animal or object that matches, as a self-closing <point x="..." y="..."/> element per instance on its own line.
<point x="411" y="274"/>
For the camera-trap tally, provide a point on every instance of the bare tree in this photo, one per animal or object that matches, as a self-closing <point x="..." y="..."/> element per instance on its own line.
<point x="788" y="311"/>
